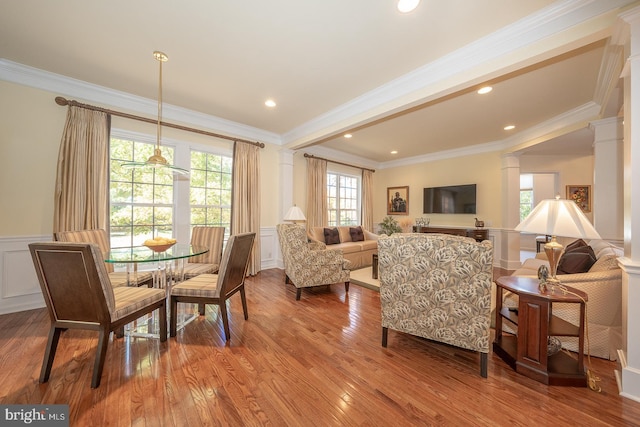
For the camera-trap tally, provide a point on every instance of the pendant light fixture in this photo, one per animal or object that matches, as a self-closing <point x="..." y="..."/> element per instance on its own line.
<point x="158" y="161"/>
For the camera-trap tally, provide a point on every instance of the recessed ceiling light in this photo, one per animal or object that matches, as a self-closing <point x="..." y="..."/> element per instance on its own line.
<point x="348" y="135"/>
<point x="394" y="152"/>
<point x="484" y="90"/>
<point x="509" y="127"/>
<point x="406" y="6"/>
<point x="270" y="103"/>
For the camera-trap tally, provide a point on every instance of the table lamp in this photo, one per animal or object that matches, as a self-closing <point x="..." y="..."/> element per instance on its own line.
<point x="557" y="217"/>
<point x="295" y="215"/>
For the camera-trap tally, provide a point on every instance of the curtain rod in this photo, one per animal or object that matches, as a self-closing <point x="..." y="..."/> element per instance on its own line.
<point x="339" y="163"/>
<point x="62" y="101"/>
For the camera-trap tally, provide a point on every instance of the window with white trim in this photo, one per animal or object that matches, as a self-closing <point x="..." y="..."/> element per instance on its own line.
<point x="526" y="195"/>
<point x="343" y="197"/>
<point x="145" y="203"/>
<point x="210" y="194"/>
<point x="141" y="199"/>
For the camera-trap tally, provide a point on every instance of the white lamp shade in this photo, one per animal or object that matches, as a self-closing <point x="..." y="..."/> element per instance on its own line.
<point x="294" y="214"/>
<point x="558" y="217"/>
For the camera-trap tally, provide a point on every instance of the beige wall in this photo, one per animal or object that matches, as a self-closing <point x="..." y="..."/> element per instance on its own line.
<point x="31" y="126"/>
<point x="484" y="170"/>
<point x="571" y="170"/>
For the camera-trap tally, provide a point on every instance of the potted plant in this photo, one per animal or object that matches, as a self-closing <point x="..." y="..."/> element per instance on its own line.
<point x="389" y="225"/>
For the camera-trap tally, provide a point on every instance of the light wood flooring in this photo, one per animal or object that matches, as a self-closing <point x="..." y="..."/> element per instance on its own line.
<point x="313" y="362"/>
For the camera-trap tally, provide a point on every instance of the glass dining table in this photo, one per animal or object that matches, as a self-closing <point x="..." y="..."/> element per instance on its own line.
<point x="165" y="267"/>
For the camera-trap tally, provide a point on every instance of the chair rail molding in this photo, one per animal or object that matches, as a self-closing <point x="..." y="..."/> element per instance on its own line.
<point x="19" y="288"/>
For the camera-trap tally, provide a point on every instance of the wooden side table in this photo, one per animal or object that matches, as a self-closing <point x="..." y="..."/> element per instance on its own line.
<point x="526" y="352"/>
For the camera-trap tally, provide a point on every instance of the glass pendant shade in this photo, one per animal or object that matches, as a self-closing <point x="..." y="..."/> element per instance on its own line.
<point x="157" y="160"/>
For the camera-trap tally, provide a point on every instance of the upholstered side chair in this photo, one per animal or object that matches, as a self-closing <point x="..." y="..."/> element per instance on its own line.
<point x="79" y="295"/>
<point x="217" y="288"/>
<point x="101" y="238"/>
<point x="438" y="287"/>
<point x="310" y="264"/>
<point x="209" y="262"/>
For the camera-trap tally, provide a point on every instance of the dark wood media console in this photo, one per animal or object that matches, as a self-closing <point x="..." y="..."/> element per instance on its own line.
<point x="479" y="234"/>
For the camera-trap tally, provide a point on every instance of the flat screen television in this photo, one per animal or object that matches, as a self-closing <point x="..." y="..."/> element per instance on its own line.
<point x="453" y="199"/>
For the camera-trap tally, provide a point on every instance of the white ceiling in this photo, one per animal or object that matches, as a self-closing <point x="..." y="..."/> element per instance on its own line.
<point x="403" y="82"/>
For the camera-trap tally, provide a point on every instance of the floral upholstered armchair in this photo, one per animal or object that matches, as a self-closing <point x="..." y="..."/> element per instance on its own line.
<point x="310" y="264"/>
<point x="438" y="287"/>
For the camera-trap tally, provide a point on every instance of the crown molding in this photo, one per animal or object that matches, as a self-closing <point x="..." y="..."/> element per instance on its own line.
<point x="577" y="116"/>
<point x="339" y="156"/>
<point x="68" y="87"/>
<point x="476" y="59"/>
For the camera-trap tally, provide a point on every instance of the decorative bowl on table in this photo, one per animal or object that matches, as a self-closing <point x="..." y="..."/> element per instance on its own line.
<point x="159" y="244"/>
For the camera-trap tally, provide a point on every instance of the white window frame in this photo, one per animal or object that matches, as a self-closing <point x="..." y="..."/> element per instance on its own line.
<point x="182" y="158"/>
<point x="358" y="179"/>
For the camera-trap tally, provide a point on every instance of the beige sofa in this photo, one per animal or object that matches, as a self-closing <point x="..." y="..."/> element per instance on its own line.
<point x="359" y="253"/>
<point x="603" y="285"/>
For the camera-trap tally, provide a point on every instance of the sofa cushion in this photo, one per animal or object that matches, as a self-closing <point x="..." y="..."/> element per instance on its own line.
<point x="343" y="231"/>
<point x="578" y="260"/>
<point x="331" y="236"/>
<point x="605" y="263"/>
<point x="357" y="235"/>
<point x="349" y="247"/>
<point x="369" y="245"/>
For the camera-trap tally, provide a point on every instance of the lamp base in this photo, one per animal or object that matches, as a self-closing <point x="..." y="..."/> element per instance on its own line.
<point x="554" y="251"/>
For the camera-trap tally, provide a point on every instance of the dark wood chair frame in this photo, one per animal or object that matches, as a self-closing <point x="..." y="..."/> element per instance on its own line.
<point x="70" y="283"/>
<point x="231" y="278"/>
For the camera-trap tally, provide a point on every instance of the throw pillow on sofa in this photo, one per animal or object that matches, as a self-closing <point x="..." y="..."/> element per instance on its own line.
<point x="575" y="245"/>
<point x="357" y="235"/>
<point x="331" y="236"/>
<point x="576" y="259"/>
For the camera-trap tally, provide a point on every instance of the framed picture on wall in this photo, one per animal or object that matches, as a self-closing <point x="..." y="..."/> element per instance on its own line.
<point x="581" y="194"/>
<point x="398" y="200"/>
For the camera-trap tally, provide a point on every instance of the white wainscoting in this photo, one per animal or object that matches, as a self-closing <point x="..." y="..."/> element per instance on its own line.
<point x="271" y="256"/>
<point x="19" y="287"/>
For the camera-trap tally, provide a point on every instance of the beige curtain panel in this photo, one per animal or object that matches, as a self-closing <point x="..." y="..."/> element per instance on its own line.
<point x="367" y="200"/>
<point x="245" y="205"/>
<point x="316" y="193"/>
<point x="82" y="181"/>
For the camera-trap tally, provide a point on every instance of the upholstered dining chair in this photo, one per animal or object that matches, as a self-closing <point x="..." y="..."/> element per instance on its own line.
<point x="217" y="288"/>
<point x="101" y="238"/>
<point x="207" y="263"/>
<point x="79" y="295"/>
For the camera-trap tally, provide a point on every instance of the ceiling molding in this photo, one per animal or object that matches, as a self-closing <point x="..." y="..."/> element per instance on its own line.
<point x="340" y="156"/>
<point x="569" y="120"/>
<point x="474" y="61"/>
<point x="28" y="76"/>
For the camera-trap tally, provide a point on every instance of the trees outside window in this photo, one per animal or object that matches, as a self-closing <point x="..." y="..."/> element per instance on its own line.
<point x="145" y="202"/>
<point x="343" y="193"/>
<point x="210" y="192"/>
<point x="141" y="199"/>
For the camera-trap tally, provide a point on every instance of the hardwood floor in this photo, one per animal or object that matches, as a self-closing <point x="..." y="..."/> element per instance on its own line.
<point x="317" y="361"/>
